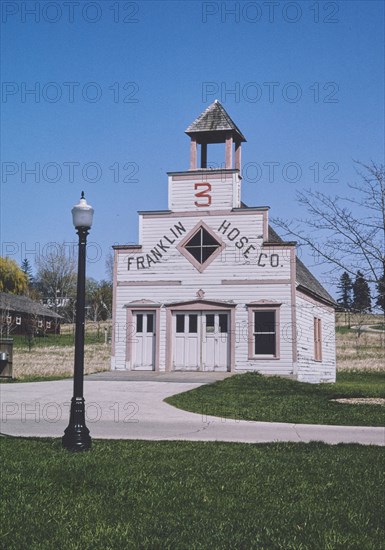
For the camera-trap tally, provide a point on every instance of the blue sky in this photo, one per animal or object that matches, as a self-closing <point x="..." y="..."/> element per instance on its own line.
<point x="117" y="83"/>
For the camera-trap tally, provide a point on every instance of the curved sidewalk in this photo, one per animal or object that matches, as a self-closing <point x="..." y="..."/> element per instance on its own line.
<point x="135" y="410"/>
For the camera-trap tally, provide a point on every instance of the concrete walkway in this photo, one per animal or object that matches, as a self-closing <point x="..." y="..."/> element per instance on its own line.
<point x="195" y="377"/>
<point x="127" y="409"/>
<point x="367" y="328"/>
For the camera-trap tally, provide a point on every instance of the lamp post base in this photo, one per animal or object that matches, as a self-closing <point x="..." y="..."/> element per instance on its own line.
<point x="76" y="436"/>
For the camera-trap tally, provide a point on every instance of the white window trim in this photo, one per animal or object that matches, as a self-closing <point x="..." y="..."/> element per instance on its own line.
<point x="252" y="308"/>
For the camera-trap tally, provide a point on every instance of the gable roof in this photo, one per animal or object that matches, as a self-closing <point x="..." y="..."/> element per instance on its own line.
<point x="305" y="279"/>
<point x="307" y="282"/>
<point x="23" y="304"/>
<point x="215" y="119"/>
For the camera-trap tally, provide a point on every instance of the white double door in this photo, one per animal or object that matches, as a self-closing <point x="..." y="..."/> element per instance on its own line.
<point x="201" y="341"/>
<point x="143" y="349"/>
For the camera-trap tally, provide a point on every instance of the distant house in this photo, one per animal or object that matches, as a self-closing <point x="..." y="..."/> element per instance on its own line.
<point x="21" y="315"/>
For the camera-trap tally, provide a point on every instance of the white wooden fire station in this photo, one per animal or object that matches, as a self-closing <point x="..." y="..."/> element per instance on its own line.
<point x="211" y="286"/>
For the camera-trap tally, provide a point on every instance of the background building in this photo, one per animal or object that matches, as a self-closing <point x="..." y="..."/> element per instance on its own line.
<point x="21" y="315"/>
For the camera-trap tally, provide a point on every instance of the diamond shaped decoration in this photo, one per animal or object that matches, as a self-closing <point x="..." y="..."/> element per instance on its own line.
<point x="201" y="246"/>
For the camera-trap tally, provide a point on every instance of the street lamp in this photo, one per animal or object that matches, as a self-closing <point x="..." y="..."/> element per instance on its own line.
<point x="77" y="436"/>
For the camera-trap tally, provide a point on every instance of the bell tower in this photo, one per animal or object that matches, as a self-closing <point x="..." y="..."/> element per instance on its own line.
<point x="215" y="126"/>
<point x="209" y="189"/>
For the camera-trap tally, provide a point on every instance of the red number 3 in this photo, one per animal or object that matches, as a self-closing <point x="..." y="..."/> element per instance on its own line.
<point x="203" y="194"/>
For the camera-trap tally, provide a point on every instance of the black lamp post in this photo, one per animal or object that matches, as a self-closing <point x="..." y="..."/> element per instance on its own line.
<point x="77" y="436"/>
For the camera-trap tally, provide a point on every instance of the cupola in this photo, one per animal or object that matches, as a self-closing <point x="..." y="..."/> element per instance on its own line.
<point x="214" y="125"/>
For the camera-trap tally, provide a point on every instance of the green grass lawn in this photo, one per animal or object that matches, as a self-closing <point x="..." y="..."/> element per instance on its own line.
<point x="189" y="495"/>
<point x="34" y="378"/>
<point x="343" y="330"/>
<point x="272" y="399"/>
<point x="64" y="339"/>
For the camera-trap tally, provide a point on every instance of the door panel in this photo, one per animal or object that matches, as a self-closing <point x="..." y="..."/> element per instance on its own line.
<point x="201" y="341"/>
<point x="143" y="349"/>
<point x="186" y="341"/>
<point x="215" y="343"/>
<point x="223" y="342"/>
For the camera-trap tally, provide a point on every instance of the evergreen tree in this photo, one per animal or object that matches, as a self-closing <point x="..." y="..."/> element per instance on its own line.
<point x="345" y="288"/>
<point x="362" y="301"/>
<point x="27" y="269"/>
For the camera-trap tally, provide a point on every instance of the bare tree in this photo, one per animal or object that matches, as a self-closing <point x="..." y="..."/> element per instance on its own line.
<point x="109" y="266"/>
<point x="99" y="300"/>
<point x="56" y="276"/>
<point x="347" y="233"/>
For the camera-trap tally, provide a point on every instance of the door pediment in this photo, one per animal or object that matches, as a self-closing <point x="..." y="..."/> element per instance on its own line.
<point x="200" y="304"/>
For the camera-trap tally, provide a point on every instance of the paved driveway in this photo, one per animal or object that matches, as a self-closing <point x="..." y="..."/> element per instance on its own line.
<point x="126" y="409"/>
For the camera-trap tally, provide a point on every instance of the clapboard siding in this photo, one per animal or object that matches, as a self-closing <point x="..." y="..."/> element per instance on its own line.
<point x="245" y="273"/>
<point x="243" y="256"/>
<point x="169" y="277"/>
<point x="153" y="229"/>
<point x="245" y="294"/>
<point x="224" y="191"/>
<point x="310" y="370"/>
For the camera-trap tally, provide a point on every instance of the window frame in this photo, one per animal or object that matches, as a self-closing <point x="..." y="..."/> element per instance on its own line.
<point x="262" y="308"/>
<point x="18" y="320"/>
<point x="180" y="323"/>
<point x="317" y="339"/>
<point x="150" y="315"/>
<point x="223" y="325"/>
<point x="192" y="324"/>
<point x="201" y="246"/>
